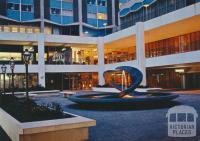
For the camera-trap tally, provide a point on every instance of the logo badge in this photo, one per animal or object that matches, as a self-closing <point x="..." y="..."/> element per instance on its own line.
<point x="182" y="121"/>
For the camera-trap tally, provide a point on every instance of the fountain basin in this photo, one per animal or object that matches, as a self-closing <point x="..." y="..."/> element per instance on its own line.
<point x="107" y="99"/>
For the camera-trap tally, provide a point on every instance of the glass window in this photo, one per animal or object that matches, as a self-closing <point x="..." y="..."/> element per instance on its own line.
<point x="170" y="5"/>
<point x="5" y="56"/>
<point x="22" y="29"/>
<point x="6" y="29"/>
<point x="13" y="6"/>
<point x="27" y="8"/>
<point x="101" y="16"/>
<point x="190" y="117"/>
<point x="29" y="30"/>
<point x="172" y="117"/>
<point x="101" y="2"/>
<point x="55" y="11"/>
<point x="181" y="117"/>
<point x="91" y="1"/>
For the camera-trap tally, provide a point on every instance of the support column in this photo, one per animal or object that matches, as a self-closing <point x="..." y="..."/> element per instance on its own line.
<point x="100" y="48"/>
<point x="42" y="16"/>
<point x="140" y="51"/>
<point x="41" y="61"/>
<point x="113" y="13"/>
<point x="80" y="17"/>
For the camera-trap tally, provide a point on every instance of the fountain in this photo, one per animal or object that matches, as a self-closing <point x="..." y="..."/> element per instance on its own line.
<point x="127" y="96"/>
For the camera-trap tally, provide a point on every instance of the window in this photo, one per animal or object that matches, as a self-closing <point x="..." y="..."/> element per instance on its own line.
<point x="181" y="117"/>
<point x="172" y="117"/>
<point x="91" y="1"/>
<point x="101" y="16"/>
<point x="101" y="2"/>
<point x="55" y="11"/>
<point x="5" y="56"/>
<point x="170" y="5"/>
<point x="27" y="8"/>
<point x="13" y="6"/>
<point x="190" y="117"/>
<point x="67" y="12"/>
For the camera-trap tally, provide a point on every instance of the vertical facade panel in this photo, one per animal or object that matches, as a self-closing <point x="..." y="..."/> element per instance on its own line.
<point x="3" y="8"/>
<point x="75" y="10"/>
<point x="109" y="11"/>
<point x="36" y="9"/>
<point x="116" y="11"/>
<point x="47" y="9"/>
<point x="84" y="11"/>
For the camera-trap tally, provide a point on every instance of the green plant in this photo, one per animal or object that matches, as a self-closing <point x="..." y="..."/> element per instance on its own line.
<point x="27" y="110"/>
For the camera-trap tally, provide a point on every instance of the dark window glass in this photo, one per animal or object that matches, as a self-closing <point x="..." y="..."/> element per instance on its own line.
<point x="172" y="118"/>
<point x="13" y="6"/>
<point x="181" y="117"/>
<point x="91" y="1"/>
<point x="102" y="2"/>
<point x="170" y="5"/>
<point x="55" y="11"/>
<point x="190" y="117"/>
<point x="180" y="4"/>
<point x="27" y="8"/>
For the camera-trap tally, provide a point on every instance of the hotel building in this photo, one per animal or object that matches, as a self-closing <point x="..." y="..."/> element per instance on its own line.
<point x="73" y="42"/>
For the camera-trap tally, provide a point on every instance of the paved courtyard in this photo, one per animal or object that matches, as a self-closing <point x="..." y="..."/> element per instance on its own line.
<point x="128" y="124"/>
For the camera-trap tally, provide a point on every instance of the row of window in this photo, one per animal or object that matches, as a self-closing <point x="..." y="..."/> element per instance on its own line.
<point x="15" y="6"/>
<point x="56" y="11"/>
<point x="97" y="2"/>
<point x="156" y="9"/>
<point x="179" y="44"/>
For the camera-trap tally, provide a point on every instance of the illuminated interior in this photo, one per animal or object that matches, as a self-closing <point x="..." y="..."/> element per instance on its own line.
<point x="71" y="54"/>
<point x="21" y="29"/>
<point x="72" y="81"/>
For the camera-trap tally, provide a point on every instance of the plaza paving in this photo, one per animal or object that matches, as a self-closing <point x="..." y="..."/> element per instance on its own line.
<point x="128" y="124"/>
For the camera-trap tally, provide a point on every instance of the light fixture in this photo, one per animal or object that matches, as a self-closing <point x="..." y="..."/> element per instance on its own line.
<point x="86" y="32"/>
<point x="180" y="70"/>
<point x="104" y="24"/>
<point x="146" y="5"/>
<point x="26" y="56"/>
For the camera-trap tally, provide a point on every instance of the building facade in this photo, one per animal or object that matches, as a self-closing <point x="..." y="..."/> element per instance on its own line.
<point x="73" y="42"/>
<point x="60" y="17"/>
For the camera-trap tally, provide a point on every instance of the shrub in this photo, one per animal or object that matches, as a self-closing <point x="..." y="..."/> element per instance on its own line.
<point x="27" y="110"/>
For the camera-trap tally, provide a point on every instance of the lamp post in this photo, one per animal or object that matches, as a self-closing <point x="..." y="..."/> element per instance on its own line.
<point x="12" y="67"/>
<point x="3" y="68"/>
<point x="26" y="58"/>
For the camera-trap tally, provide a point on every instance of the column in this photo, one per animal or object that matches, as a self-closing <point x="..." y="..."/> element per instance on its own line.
<point x="113" y="13"/>
<point x="140" y="50"/>
<point x="41" y="61"/>
<point x="100" y="48"/>
<point x="80" y="15"/>
<point x="42" y="16"/>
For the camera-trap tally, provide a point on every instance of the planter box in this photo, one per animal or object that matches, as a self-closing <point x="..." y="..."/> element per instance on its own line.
<point x="73" y="129"/>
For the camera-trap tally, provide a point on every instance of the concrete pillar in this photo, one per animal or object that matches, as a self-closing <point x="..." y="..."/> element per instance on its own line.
<point x="42" y="16"/>
<point x="100" y="48"/>
<point x="41" y="61"/>
<point x="80" y="15"/>
<point x="140" y="50"/>
<point x="113" y="13"/>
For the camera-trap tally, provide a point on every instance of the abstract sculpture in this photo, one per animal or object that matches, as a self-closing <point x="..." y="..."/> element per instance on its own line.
<point x="127" y="96"/>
